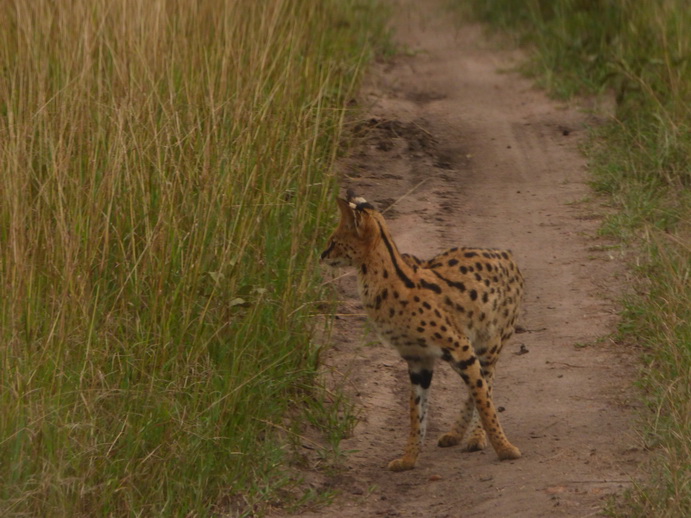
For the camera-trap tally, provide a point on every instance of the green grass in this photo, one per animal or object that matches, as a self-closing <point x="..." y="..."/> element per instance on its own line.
<point x="639" y="52"/>
<point x="166" y="180"/>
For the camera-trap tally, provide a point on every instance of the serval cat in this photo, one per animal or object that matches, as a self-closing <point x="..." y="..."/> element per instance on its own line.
<point x="460" y="306"/>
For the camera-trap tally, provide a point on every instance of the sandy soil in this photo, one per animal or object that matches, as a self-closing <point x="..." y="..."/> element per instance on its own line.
<point x="459" y="151"/>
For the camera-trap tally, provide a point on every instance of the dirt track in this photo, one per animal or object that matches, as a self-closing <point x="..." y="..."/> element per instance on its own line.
<point x="475" y="156"/>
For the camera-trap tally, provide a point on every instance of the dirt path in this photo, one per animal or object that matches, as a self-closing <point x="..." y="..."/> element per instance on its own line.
<point x="479" y="157"/>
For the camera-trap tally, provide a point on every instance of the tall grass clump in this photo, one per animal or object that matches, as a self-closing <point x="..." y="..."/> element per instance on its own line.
<point x="165" y="174"/>
<point x="640" y="52"/>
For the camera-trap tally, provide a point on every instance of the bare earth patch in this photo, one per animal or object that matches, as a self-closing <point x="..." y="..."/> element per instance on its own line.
<point x="465" y="153"/>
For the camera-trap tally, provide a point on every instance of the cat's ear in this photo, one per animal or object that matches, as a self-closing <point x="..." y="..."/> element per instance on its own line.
<point x="347" y="214"/>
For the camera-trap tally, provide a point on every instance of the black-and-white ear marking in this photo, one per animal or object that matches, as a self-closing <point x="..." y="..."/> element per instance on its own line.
<point x="357" y="202"/>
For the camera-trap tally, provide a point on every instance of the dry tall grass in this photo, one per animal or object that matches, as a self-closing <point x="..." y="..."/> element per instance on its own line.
<point x="165" y="167"/>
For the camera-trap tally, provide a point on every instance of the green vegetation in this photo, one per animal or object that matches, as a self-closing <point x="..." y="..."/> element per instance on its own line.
<point x="166" y="175"/>
<point x="641" y="52"/>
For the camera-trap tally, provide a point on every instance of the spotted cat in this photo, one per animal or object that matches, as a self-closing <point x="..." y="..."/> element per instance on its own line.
<point x="460" y="306"/>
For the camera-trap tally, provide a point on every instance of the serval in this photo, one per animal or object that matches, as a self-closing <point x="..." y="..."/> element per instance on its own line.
<point x="460" y="306"/>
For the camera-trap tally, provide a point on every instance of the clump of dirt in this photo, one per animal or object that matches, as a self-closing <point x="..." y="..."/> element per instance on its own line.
<point x="388" y="135"/>
<point x="457" y="153"/>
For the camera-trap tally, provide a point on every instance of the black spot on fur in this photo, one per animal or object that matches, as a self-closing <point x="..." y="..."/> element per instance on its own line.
<point x="430" y="286"/>
<point x="453" y="284"/>
<point x="401" y="274"/>
<point x="464" y="364"/>
<point x="422" y="378"/>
